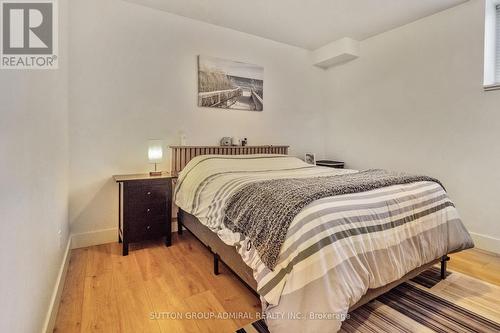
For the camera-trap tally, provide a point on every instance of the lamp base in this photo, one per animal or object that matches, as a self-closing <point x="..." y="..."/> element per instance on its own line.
<point x="155" y="173"/>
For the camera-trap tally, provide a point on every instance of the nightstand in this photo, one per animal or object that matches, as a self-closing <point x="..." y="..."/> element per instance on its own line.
<point x="330" y="164"/>
<point x="144" y="208"/>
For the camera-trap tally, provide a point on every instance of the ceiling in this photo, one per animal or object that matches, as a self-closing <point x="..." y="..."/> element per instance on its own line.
<point x="309" y="24"/>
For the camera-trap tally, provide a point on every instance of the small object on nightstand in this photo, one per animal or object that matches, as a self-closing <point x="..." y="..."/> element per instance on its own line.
<point x="330" y="164"/>
<point x="144" y="208"/>
<point x="155" y="155"/>
<point x="226" y="141"/>
<point x="310" y="158"/>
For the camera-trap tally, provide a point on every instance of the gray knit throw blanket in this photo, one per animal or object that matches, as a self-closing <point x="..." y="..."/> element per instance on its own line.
<point x="263" y="211"/>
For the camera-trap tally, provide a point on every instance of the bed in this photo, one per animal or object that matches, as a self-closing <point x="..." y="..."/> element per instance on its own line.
<point x="314" y="294"/>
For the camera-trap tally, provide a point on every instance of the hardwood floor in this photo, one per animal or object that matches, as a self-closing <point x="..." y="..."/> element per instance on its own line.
<point x="106" y="292"/>
<point x="477" y="263"/>
<point x="151" y="288"/>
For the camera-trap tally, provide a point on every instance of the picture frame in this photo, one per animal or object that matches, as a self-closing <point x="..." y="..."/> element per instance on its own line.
<point x="310" y="158"/>
<point x="228" y="84"/>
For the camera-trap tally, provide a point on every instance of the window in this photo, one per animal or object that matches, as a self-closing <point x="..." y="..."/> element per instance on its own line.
<point x="492" y="46"/>
<point x="497" y="44"/>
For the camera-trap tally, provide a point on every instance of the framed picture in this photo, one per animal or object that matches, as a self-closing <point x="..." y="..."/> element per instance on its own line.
<point x="230" y="84"/>
<point x="310" y="158"/>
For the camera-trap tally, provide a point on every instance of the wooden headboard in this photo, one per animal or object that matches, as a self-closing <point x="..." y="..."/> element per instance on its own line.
<point x="181" y="155"/>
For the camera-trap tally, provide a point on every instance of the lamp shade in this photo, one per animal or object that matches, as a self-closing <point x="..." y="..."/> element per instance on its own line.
<point x="155" y="151"/>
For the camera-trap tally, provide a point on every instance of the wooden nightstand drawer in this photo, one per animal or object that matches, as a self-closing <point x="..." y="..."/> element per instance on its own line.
<point x="153" y="229"/>
<point x="136" y="222"/>
<point x="148" y="193"/>
<point x="147" y="210"/>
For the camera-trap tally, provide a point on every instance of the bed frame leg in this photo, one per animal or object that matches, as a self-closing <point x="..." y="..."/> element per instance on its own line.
<point x="216" y="264"/>
<point x="444" y="259"/>
<point x="179" y="222"/>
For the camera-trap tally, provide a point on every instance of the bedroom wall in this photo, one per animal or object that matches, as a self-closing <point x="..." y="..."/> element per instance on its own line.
<point x="34" y="188"/>
<point x="134" y="77"/>
<point x="414" y="101"/>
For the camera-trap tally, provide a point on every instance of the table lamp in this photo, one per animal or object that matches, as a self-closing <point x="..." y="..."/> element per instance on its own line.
<point x="155" y="155"/>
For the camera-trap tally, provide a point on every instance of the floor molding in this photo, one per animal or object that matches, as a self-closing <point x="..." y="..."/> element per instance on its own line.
<point x="96" y="237"/>
<point x="174" y="225"/>
<point x="50" y="319"/>
<point x="486" y="243"/>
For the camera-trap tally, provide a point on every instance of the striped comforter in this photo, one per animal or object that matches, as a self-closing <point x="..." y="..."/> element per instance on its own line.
<point x="337" y="247"/>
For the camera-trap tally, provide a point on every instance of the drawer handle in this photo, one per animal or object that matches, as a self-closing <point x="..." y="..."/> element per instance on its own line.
<point x="149" y="193"/>
<point x="148" y="227"/>
<point x="148" y="210"/>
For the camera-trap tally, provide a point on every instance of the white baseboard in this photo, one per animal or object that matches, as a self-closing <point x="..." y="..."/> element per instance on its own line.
<point x="486" y="243"/>
<point x="50" y="319"/>
<point x="102" y="236"/>
<point x="97" y="237"/>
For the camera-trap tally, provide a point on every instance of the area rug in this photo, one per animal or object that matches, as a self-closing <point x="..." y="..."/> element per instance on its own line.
<point x="425" y="304"/>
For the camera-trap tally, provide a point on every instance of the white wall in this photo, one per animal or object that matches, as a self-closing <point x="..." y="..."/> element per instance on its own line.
<point x="33" y="189"/>
<point x="414" y="101"/>
<point x="133" y="77"/>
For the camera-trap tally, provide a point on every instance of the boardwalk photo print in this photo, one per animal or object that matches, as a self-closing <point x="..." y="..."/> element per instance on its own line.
<point x="230" y="84"/>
